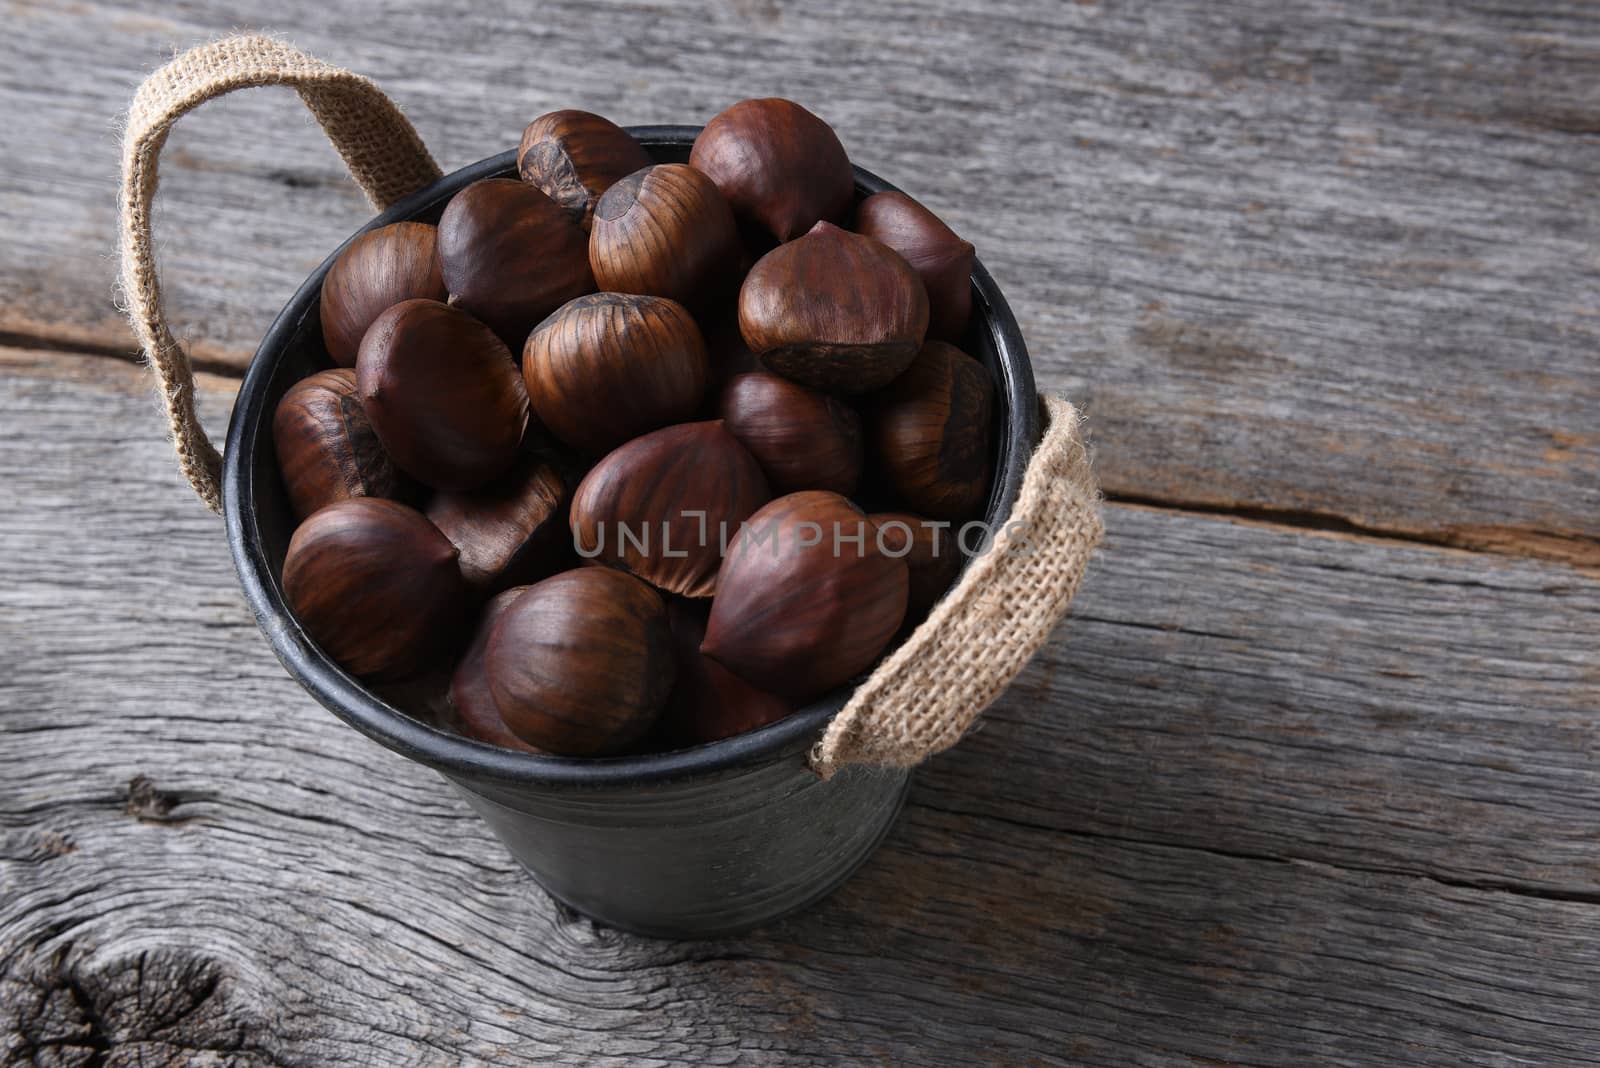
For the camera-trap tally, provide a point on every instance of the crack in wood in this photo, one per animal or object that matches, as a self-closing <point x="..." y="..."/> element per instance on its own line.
<point x="1485" y="885"/>
<point x="147" y="803"/>
<point x="1579" y="550"/>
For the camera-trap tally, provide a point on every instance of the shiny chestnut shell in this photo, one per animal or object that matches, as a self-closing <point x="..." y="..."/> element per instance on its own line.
<point x="708" y="701"/>
<point x="326" y="447"/>
<point x="376" y="585"/>
<point x="608" y="367"/>
<point x="511" y="256"/>
<point x="513" y="530"/>
<point x="475" y="711"/>
<point x="776" y="163"/>
<point x="941" y="258"/>
<point x="930" y="551"/>
<point x="803" y="439"/>
<point x="575" y="156"/>
<point x="663" y="505"/>
<point x="834" y="311"/>
<point x="581" y="664"/>
<point x="931" y="432"/>
<point x="802" y="606"/>
<point x="666" y="231"/>
<point x="443" y="394"/>
<point x="377" y="270"/>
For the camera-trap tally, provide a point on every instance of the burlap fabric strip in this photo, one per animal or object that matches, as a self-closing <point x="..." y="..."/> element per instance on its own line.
<point x="925" y="696"/>
<point x="920" y="700"/>
<point x="378" y="144"/>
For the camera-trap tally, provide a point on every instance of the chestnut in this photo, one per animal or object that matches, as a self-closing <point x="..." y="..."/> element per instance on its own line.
<point x="929" y="549"/>
<point x="376" y="585"/>
<point x="513" y="530"/>
<point x="709" y="702"/>
<point x="443" y="394"/>
<point x="424" y="696"/>
<point x="806" y="599"/>
<point x="376" y="270"/>
<point x="511" y="256"/>
<point x="666" y="231"/>
<point x="943" y="260"/>
<point x="581" y="664"/>
<point x="664" y="505"/>
<point x="475" y="711"/>
<point x="931" y="433"/>
<point x="574" y="156"/>
<point x="608" y="367"/>
<point x="327" y="449"/>
<point x="802" y="439"/>
<point x="834" y="310"/>
<point x="776" y="163"/>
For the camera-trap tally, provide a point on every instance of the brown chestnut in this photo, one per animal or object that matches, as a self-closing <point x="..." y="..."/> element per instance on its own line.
<point x="666" y="231"/>
<point x="376" y="585"/>
<point x="664" y="505"/>
<point x="834" y="310"/>
<point x="943" y="260"/>
<point x="377" y="270"/>
<point x="709" y="702"/>
<point x="610" y="366"/>
<point x="512" y="531"/>
<point x="327" y="449"/>
<point x="574" y="156"/>
<point x="931" y="430"/>
<point x="424" y="696"/>
<point x="778" y="164"/>
<point x="929" y="549"/>
<point x="581" y="664"/>
<point x="802" y="439"/>
<point x="477" y="714"/>
<point x="806" y="600"/>
<point x="511" y="256"/>
<point x="443" y="393"/>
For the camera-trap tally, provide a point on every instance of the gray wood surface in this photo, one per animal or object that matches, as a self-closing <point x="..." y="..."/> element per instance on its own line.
<point x="1335" y="261"/>
<point x="1310" y="777"/>
<point x="1271" y="797"/>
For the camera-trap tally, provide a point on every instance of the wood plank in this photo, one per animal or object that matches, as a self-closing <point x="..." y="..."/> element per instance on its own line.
<point x="1328" y="260"/>
<point x="1328" y="698"/>
<point x="1271" y="797"/>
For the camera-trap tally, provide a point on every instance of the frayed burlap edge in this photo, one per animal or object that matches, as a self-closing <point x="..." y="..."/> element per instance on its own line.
<point x="379" y="145"/>
<point x="924" y="697"/>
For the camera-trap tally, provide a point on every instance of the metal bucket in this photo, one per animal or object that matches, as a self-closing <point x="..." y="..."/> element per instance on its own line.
<point x="694" y="843"/>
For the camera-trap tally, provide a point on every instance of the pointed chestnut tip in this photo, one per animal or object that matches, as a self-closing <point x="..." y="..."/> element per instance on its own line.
<point x="823" y="226"/>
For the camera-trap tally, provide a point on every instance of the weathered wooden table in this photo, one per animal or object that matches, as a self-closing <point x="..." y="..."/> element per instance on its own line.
<point x="1311" y="775"/>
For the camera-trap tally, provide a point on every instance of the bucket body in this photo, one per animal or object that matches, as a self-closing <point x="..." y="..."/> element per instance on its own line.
<point x="708" y="855"/>
<point x="698" y="842"/>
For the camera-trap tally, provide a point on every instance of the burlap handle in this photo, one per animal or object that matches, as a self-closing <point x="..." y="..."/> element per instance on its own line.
<point x="378" y="144"/>
<point x="922" y="699"/>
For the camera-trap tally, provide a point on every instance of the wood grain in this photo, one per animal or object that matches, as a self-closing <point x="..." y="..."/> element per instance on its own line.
<point x="1330" y="262"/>
<point x="1270" y="797"/>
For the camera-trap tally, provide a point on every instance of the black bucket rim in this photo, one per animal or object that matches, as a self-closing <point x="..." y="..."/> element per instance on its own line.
<point x="346" y="697"/>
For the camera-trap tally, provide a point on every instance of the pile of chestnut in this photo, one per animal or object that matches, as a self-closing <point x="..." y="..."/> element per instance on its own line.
<point x="595" y="448"/>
